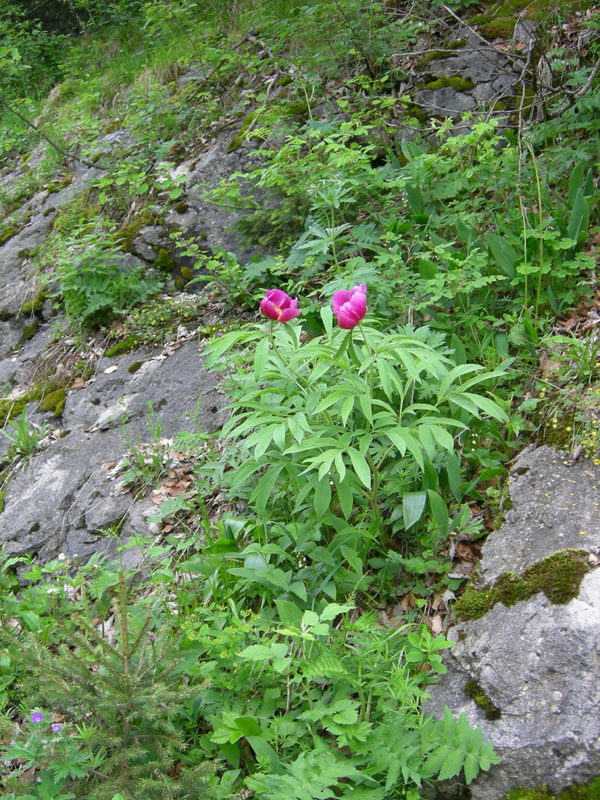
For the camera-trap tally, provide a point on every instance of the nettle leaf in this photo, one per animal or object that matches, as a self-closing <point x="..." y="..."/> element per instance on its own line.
<point x="324" y="667"/>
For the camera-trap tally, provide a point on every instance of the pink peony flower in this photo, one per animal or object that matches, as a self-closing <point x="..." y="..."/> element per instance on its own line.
<point x="350" y="306"/>
<point x="279" y="305"/>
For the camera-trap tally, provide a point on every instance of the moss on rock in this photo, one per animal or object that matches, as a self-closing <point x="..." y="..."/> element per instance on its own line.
<point x="56" y="186"/>
<point x="165" y="262"/>
<point x="34" y="306"/>
<point x="126" y="235"/>
<point x="12" y="407"/>
<point x="54" y="401"/>
<point x="29" y="331"/>
<point x="494" y="27"/>
<point x="588" y="791"/>
<point x="457" y="83"/>
<point x="238" y="139"/>
<point x="125" y="346"/>
<point x="438" y="55"/>
<point x="8" y="232"/>
<point x="558" y="576"/>
<point x="473" y="690"/>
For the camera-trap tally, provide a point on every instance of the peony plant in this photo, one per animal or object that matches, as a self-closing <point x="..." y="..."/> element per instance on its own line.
<point x="359" y="429"/>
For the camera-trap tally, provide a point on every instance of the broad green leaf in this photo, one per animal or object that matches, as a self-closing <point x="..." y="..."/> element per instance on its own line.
<point x="413" y="505"/>
<point x="262" y="652"/>
<point x="456" y="372"/>
<point x="264" y="488"/>
<point x="332" y="610"/>
<point x="322" y="497"/>
<point x="361" y="468"/>
<point x="451" y="765"/>
<point x="263" y="750"/>
<point x="352" y="558"/>
<point x="442" y="437"/>
<point x="454" y="478"/>
<point x="488" y="406"/>
<point x="365" y="403"/>
<point x="345" y="496"/>
<point x="347" y="407"/>
<point x="505" y="255"/>
<point x="579" y="219"/>
<point x="439" y="512"/>
<point x="327" y="317"/>
<point x="289" y="613"/>
<point x="261" y="354"/>
<point x="575" y="182"/>
<point x="248" y="726"/>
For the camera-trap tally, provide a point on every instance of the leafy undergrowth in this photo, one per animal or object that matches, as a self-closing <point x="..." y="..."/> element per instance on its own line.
<point x="286" y="623"/>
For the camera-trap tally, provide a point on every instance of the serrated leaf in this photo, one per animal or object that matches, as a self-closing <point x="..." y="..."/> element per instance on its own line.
<point x="451" y="765"/>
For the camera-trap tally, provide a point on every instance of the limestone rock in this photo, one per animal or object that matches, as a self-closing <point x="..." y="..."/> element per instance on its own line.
<point x="62" y="501"/>
<point x="537" y="663"/>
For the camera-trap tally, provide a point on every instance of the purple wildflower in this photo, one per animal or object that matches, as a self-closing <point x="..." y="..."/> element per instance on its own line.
<point x="37" y="717"/>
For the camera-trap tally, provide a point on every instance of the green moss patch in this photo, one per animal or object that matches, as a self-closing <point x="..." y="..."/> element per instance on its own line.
<point x="126" y="235"/>
<point x="54" y="401"/>
<point x="126" y="346"/>
<point x="473" y="690"/>
<point x="10" y="408"/>
<point x="558" y="576"/>
<point x="238" y="139"/>
<point x="34" y="306"/>
<point x="493" y="27"/>
<point x="29" y="331"/>
<point x="457" y="83"/>
<point x="589" y="791"/>
<point x="56" y="186"/>
<point x="165" y="262"/>
<point x="8" y="232"/>
<point x="442" y="53"/>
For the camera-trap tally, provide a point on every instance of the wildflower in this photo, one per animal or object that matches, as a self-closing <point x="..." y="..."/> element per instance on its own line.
<point x="350" y="306"/>
<point x="37" y="717"/>
<point x="278" y="305"/>
<point x="56" y="726"/>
